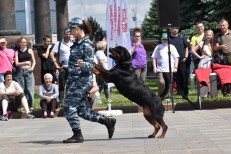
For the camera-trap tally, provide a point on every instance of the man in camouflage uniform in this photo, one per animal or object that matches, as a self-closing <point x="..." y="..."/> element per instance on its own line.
<point x="79" y="83"/>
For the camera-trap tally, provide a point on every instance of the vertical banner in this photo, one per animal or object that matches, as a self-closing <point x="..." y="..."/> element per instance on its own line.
<point x="123" y="29"/>
<point x="111" y="14"/>
<point x="118" y="31"/>
<point x="111" y="20"/>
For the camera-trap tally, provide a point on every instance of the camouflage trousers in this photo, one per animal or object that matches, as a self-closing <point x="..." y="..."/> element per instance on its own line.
<point x="75" y="103"/>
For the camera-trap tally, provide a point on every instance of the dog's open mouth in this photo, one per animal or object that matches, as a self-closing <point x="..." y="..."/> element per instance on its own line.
<point x="114" y="55"/>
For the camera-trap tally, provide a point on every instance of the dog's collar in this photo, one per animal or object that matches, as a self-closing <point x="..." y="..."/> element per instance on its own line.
<point x="127" y="63"/>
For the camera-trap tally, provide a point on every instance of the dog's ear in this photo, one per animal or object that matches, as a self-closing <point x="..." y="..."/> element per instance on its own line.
<point x="124" y="53"/>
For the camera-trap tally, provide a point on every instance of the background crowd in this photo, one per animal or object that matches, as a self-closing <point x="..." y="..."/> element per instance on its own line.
<point x="204" y="48"/>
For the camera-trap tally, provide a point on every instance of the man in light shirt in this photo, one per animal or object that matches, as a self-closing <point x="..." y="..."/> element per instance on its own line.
<point x="161" y="64"/>
<point x="62" y="51"/>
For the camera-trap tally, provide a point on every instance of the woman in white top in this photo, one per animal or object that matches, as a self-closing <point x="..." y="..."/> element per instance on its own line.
<point x="12" y="96"/>
<point x="101" y="60"/>
<point x="206" y="47"/>
<point x="206" y="50"/>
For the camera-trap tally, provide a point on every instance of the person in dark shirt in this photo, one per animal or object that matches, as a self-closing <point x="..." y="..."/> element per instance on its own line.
<point x="16" y="46"/>
<point x="182" y="73"/>
<point x="47" y="66"/>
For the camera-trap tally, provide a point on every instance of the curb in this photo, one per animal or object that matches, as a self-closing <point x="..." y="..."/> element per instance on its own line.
<point x="38" y="113"/>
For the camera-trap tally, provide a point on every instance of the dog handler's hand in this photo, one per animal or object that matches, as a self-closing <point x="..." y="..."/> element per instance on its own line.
<point x="174" y="69"/>
<point x="80" y="62"/>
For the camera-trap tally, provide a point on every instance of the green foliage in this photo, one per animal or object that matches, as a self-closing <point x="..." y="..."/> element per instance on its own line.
<point x="36" y="101"/>
<point x="191" y="11"/>
<point x="150" y="24"/>
<point x="208" y="11"/>
<point x="119" y="100"/>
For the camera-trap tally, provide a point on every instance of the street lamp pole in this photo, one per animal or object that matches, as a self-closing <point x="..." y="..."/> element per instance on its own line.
<point x="135" y="14"/>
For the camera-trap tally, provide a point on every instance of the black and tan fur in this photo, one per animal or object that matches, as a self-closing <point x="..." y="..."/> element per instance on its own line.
<point x="127" y="83"/>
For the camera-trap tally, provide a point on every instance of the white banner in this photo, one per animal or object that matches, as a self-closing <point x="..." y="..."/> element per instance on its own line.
<point x="118" y="31"/>
<point x="123" y="29"/>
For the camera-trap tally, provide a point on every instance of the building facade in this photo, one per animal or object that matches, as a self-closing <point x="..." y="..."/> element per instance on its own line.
<point x="24" y="14"/>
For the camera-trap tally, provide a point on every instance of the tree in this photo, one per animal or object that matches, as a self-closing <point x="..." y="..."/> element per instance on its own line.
<point x="150" y="24"/>
<point x="210" y="12"/>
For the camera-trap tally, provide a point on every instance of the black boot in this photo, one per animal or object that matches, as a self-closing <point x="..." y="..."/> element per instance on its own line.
<point x="109" y="123"/>
<point x="76" y="138"/>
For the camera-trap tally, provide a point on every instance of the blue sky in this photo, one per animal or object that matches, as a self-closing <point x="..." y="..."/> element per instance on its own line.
<point x="97" y="9"/>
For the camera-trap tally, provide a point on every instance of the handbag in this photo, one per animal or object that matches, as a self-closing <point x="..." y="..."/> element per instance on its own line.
<point x="218" y="57"/>
<point x="14" y="69"/>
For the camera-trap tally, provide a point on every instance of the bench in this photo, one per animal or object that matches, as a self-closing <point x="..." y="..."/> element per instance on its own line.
<point x="202" y="90"/>
<point x="221" y="73"/>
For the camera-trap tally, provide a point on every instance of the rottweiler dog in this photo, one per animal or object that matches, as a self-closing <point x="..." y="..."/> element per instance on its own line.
<point x="128" y="84"/>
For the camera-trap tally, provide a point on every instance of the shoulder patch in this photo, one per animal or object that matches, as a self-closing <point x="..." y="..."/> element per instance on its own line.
<point x="89" y="52"/>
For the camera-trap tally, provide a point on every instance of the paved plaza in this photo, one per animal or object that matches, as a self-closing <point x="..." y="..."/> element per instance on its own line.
<point x="194" y="131"/>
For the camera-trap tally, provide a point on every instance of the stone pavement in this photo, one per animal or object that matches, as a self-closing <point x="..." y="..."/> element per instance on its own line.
<point x="191" y="131"/>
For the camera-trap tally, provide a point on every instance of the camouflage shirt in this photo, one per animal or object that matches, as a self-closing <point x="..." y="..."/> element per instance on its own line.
<point x="83" y="50"/>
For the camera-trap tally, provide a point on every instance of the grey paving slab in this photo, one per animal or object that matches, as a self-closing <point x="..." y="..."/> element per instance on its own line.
<point x="197" y="131"/>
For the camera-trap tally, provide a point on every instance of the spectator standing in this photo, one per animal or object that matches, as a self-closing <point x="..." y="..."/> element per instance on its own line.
<point x="222" y="41"/>
<point x="182" y="73"/>
<point x="80" y="79"/>
<point x="16" y="46"/>
<point x="25" y="63"/>
<point x="6" y="58"/>
<point x="12" y="96"/>
<point x="160" y="63"/>
<point x="200" y="28"/>
<point x="48" y="93"/>
<point x="47" y="66"/>
<point x="62" y="51"/>
<point x="206" y="48"/>
<point x="139" y="56"/>
<point x="101" y="60"/>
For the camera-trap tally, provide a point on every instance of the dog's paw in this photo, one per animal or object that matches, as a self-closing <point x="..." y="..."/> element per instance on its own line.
<point x="96" y="71"/>
<point x="161" y="136"/>
<point x="96" y="67"/>
<point x="151" y="136"/>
